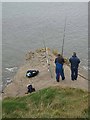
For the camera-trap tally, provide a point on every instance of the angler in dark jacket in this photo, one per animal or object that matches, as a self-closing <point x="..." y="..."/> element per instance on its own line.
<point x="59" y="61"/>
<point x="74" y="60"/>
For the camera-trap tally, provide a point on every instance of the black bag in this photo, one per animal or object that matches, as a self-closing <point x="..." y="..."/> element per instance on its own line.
<point x="30" y="89"/>
<point x="32" y="73"/>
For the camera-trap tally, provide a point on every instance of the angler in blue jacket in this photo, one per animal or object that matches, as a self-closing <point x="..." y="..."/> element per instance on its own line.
<point x="74" y="60"/>
<point x="59" y="61"/>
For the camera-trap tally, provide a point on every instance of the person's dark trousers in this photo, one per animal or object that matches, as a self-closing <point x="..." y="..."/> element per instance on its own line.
<point x="57" y="77"/>
<point x="62" y="73"/>
<point x="74" y="73"/>
<point x="59" y="71"/>
<point x="57" y="74"/>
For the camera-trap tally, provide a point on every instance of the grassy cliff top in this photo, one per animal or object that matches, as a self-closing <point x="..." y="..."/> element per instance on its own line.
<point x="52" y="102"/>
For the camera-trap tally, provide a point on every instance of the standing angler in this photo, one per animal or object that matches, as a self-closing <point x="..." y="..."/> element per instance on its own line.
<point x="59" y="61"/>
<point x="74" y="60"/>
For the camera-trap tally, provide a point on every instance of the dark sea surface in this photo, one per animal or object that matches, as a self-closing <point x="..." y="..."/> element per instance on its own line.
<point x="26" y="25"/>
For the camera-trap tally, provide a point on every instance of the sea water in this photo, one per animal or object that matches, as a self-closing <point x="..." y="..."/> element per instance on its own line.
<point x="26" y="25"/>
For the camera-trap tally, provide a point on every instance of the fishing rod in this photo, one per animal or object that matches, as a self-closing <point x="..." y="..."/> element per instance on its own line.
<point x="64" y="36"/>
<point x="48" y="60"/>
<point x="63" y="48"/>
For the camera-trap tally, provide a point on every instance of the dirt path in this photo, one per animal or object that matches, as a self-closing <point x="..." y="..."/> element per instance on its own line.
<point x="37" y="60"/>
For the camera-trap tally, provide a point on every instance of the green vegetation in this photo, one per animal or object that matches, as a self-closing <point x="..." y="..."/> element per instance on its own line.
<point x="55" y="52"/>
<point x="0" y="109"/>
<point x="53" y="102"/>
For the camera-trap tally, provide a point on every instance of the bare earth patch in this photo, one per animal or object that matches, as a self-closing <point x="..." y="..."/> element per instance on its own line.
<point x="37" y="60"/>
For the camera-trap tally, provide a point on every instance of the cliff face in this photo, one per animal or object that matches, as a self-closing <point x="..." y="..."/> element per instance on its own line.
<point x="39" y="60"/>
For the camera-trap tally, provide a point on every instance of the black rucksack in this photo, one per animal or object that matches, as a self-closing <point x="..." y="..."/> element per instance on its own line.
<point x="32" y="73"/>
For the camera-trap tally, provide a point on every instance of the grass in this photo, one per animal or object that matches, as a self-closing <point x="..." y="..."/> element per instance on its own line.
<point x="53" y="102"/>
<point x="0" y="109"/>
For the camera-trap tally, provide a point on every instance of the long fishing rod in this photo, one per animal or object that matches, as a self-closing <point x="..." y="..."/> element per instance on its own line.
<point x="48" y="60"/>
<point x="46" y="52"/>
<point x="64" y="36"/>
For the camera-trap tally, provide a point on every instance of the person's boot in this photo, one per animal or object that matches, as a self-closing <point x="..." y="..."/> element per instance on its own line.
<point x="63" y="78"/>
<point x="72" y="79"/>
<point x="57" y="80"/>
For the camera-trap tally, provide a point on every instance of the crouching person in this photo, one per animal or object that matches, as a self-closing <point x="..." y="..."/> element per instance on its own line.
<point x="30" y="89"/>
